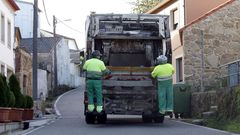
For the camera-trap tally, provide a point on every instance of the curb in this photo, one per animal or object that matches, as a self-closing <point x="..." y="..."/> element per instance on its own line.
<point x="55" y="104"/>
<point x="10" y="127"/>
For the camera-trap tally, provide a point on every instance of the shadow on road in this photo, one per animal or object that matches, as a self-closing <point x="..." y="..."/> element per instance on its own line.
<point x="129" y="123"/>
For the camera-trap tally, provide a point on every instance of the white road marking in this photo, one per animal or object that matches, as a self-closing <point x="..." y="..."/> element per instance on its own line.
<point x="33" y="130"/>
<point x="55" y="104"/>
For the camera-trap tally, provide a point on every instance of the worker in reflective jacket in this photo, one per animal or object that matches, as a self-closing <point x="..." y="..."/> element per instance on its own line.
<point x="163" y="72"/>
<point x="95" y="70"/>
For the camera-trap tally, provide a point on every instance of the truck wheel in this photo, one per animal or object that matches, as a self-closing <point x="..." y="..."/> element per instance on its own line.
<point x="176" y="115"/>
<point x="102" y="118"/>
<point x="184" y="115"/>
<point x="90" y="118"/>
<point x="158" y="118"/>
<point x="146" y="118"/>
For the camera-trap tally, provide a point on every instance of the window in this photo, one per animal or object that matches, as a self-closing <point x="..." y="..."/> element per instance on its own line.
<point x="174" y="18"/>
<point x="3" y="69"/>
<point x="24" y="82"/>
<point x="179" y="69"/>
<point x="233" y="73"/>
<point x="9" y="34"/>
<point x="9" y="73"/>
<point x="2" y="28"/>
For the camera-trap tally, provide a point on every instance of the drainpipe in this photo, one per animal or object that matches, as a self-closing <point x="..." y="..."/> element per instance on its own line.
<point x="202" y="62"/>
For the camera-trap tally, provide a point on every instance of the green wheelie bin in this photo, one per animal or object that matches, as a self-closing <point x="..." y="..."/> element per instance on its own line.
<point x="182" y="100"/>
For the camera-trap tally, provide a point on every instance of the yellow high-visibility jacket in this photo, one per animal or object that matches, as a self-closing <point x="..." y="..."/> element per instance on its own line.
<point x="94" y="68"/>
<point x="163" y="70"/>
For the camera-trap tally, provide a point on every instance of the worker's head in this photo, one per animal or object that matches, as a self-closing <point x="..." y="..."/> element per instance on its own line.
<point x="162" y="59"/>
<point x="96" y="54"/>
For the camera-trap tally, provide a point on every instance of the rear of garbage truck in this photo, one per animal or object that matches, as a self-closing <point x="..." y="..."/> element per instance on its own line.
<point x="129" y="44"/>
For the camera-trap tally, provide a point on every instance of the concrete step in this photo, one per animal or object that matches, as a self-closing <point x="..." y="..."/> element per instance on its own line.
<point x="214" y="108"/>
<point x="198" y="122"/>
<point x="209" y="114"/>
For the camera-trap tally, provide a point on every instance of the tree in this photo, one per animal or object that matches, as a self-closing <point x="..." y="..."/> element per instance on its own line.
<point x="3" y="98"/>
<point x="142" y="6"/>
<point x="6" y="90"/>
<point x="15" y="88"/>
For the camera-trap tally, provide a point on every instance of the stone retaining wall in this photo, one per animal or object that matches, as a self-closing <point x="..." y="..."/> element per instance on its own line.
<point x="219" y="35"/>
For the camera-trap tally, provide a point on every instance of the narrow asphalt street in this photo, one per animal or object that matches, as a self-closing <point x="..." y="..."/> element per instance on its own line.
<point x="72" y="123"/>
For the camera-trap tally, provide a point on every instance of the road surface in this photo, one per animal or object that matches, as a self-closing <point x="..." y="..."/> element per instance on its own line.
<point x="72" y="122"/>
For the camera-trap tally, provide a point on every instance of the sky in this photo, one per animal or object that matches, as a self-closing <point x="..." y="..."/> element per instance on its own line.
<point x="77" y="11"/>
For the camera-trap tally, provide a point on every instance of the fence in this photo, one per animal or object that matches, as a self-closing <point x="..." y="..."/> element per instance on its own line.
<point x="230" y="74"/>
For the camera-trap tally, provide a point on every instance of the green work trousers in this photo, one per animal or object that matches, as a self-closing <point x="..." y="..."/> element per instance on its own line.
<point x="165" y="96"/>
<point x="94" y="86"/>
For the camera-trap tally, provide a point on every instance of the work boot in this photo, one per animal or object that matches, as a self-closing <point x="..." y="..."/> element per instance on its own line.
<point x="169" y="112"/>
<point x="91" y="108"/>
<point x="99" y="109"/>
<point x="162" y="112"/>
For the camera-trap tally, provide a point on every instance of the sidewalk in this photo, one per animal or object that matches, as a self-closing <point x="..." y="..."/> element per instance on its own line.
<point x="8" y="127"/>
<point x="16" y="128"/>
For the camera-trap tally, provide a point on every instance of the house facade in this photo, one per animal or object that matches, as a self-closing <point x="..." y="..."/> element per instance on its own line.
<point x="23" y="65"/>
<point x="7" y="11"/>
<point x="68" y="70"/>
<point x="24" y="19"/>
<point x="182" y="13"/>
<point x="211" y="47"/>
<point x="45" y="64"/>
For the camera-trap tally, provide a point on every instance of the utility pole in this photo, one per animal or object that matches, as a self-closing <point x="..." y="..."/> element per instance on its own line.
<point x="55" y="53"/>
<point x="35" y="52"/>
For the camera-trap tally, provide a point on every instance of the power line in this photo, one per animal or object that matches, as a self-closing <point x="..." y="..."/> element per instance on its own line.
<point x="69" y="26"/>
<point x="45" y="12"/>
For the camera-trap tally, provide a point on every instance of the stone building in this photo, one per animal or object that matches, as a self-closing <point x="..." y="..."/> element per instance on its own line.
<point x="23" y="65"/>
<point x="184" y="15"/>
<point x="44" y="59"/>
<point x="210" y="43"/>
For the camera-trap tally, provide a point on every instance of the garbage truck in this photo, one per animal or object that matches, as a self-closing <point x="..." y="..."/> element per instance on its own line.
<point x="129" y="44"/>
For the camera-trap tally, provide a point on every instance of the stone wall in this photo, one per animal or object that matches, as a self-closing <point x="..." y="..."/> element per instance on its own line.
<point x="23" y="61"/>
<point x="202" y="101"/>
<point x="219" y="34"/>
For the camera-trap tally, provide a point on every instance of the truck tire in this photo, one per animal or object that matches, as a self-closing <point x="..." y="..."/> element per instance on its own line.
<point x="90" y="118"/>
<point x="176" y="115"/>
<point x="147" y="118"/>
<point x="102" y="118"/>
<point x="158" y="118"/>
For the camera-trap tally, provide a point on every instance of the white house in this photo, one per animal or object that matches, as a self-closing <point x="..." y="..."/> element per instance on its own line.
<point x="24" y="19"/>
<point x="68" y="72"/>
<point x="7" y="10"/>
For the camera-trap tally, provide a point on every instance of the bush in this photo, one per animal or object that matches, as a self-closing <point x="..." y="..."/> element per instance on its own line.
<point x="15" y="88"/>
<point x="11" y="99"/>
<point x="229" y="105"/>
<point x="24" y="101"/>
<point x="7" y="91"/>
<point x="29" y="103"/>
<point x="3" y="98"/>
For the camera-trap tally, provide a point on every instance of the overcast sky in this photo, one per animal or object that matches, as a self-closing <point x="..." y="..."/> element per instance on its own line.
<point x="77" y="11"/>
